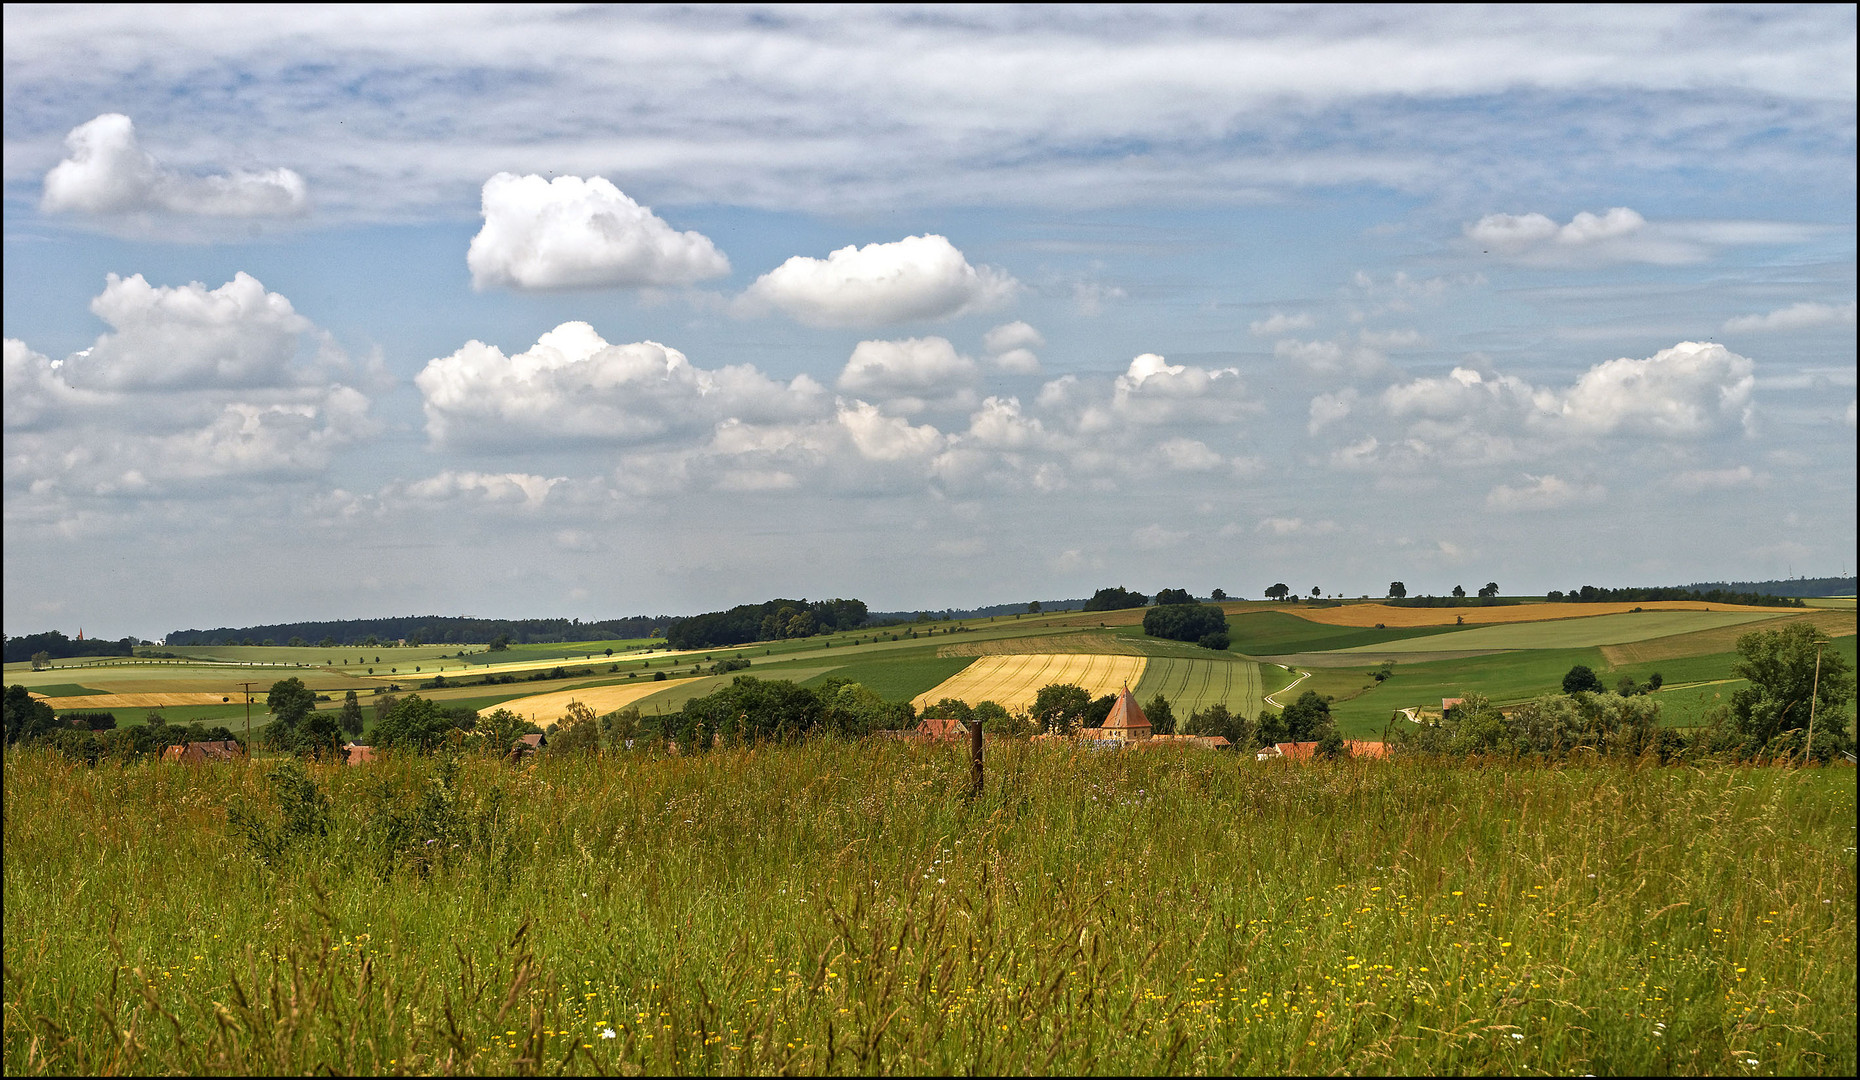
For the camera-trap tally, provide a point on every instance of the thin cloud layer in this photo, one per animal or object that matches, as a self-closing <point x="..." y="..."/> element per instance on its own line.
<point x="107" y="173"/>
<point x="1800" y="316"/>
<point x="574" y="233"/>
<point x="918" y="278"/>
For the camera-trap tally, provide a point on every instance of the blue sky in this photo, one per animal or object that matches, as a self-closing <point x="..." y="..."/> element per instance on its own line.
<point x="584" y="311"/>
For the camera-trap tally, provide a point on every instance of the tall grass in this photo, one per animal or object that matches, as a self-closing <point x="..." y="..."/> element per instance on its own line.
<point x="842" y="907"/>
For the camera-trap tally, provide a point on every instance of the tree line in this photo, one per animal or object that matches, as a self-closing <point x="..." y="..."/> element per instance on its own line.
<point x="770" y="621"/>
<point x="53" y="645"/>
<point x="428" y="629"/>
<point x="1589" y="594"/>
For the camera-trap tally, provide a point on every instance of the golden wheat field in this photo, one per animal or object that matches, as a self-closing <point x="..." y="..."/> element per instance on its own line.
<point x="136" y="701"/>
<point x="1367" y="615"/>
<point x="1014" y="681"/>
<point x="548" y="708"/>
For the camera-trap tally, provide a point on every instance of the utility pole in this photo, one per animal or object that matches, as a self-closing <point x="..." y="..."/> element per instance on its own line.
<point x="1808" y="748"/>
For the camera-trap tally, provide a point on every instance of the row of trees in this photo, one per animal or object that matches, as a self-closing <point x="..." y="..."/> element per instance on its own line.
<point x="435" y="629"/>
<point x="1589" y="594"/>
<point x="53" y="645"/>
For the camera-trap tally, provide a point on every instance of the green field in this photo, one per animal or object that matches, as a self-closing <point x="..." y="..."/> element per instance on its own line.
<point x="1571" y="633"/>
<point x="843" y="907"/>
<point x="64" y="689"/>
<point x="893" y="677"/>
<point x="1503" y="677"/>
<point x="1194" y="685"/>
<point x="1275" y="633"/>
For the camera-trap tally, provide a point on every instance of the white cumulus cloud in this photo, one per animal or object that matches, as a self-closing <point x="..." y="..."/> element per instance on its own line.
<point x="183" y="336"/>
<point x="106" y="172"/>
<point x="916" y="278"/>
<point x="1617" y="235"/>
<point x="574" y="386"/>
<point x="908" y="371"/>
<point x="191" y="386"/>
<point x="1011" y="347"/>
<point x="1686" y="390"/>
<point x="574" y="233"/>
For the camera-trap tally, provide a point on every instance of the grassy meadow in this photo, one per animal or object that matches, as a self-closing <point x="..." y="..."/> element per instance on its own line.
<point x="844" y="907"/>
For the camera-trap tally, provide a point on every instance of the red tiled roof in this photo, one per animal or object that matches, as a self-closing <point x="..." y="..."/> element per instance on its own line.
<point x="1298" y="751"/>
<point x="942" y="727"/>
<point x="1364" y="748"/>
<point x="1126" y="715"/>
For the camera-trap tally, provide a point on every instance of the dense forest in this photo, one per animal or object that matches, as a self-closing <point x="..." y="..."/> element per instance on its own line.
<point x="769" y="621"/>
<point x="427" y="629"/>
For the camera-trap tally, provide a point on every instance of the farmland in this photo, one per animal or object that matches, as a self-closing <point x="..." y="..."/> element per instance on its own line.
<point x="1433" y="657"/>
<point x="1571" y="633"/>
<point x="1014" y="681"/>
<point x="1371" y="614"/>
<point x="1194" y="685"/>
<point x="1082" y="916"/>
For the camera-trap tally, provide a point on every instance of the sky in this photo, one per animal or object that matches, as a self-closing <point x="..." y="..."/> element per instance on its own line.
<point x="347" y="312"/>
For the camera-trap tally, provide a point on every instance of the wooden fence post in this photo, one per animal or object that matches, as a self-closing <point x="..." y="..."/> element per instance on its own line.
<point x="975" y="757"/>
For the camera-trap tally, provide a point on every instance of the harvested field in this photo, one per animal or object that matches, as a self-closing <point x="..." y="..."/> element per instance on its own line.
<point x="546" y="709"/>
<point x="1109" y="644"/>
<point x="1722" y="639"/>
<point x="1362" y="615"/>
<point x="1192" y="685"/>
<point x="1014" y="681"/>
<point x="140" y="701"/>
<point x="1568" y="633"/>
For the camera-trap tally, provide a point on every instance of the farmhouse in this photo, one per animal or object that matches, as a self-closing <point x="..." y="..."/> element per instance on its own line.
<point x="942" y="727"/>
<point x="525" y="746"/>
<point x="196" y="753"/>
<point x="1305" y="751"/>
<point x="357" y="754"/>
<point x="1200" y="742"/>
<point x="1126" y="722"/>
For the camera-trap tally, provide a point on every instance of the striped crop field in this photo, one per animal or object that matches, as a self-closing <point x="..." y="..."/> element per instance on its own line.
<point x="1014" y="681"/>
<point x="1364" y="615"/>
<point x="1191" y="685"/>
